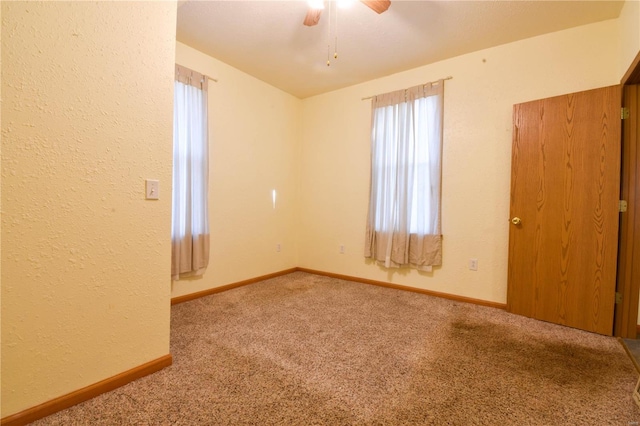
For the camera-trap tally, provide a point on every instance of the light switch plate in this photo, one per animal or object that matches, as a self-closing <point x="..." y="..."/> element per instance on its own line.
<point x="152" y="189"/>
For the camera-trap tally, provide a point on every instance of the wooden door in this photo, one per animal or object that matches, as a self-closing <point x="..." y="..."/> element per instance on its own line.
<point x="565" y="180"/>
<point x="629" y="245"/>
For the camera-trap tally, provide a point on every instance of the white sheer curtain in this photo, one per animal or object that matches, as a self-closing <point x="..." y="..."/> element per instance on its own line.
<point x="403" y="225"/>
<point x="190" y="216"/>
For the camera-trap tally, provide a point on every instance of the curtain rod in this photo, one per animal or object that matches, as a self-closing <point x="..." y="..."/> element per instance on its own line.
<point x="189" y="72"/>
<point x="424" y="84"/>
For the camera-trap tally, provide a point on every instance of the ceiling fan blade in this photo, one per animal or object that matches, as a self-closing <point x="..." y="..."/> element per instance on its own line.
<point x="377" y="6"/>
<point x="313" y="17"/>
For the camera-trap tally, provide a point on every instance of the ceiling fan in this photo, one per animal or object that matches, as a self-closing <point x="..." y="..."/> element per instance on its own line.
<point x="313" y="15"/>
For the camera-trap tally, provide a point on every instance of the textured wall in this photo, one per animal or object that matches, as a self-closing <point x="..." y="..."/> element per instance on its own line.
<point x="254" y="134"/>
<point x="86" y="116"/>
<point x="478" y="107"/>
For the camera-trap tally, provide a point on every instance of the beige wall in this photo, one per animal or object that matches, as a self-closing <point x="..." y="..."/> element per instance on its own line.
<point x="629" y="21"/>
<point x="254" y="133"/>
<point x="334" y="160"/>
<point x="86" y="117"/>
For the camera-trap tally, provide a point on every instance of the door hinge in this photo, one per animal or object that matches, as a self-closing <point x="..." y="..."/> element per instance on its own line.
<point x="618" y="298"/>
<point x="624" y="113"/>
<point x="622" y="206"/>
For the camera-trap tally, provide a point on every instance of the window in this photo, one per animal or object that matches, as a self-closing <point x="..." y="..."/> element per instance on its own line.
<point x="403" y="225"/>
<point x="190" y="217"/>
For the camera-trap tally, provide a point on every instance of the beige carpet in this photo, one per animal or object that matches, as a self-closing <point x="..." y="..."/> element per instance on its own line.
<point x="309" y="350"/>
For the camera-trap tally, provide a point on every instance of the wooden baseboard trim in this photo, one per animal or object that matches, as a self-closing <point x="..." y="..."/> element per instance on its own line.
<point x="86" y="393"/>
<point x="448" y="296"/>
<point x="199" y="294"/>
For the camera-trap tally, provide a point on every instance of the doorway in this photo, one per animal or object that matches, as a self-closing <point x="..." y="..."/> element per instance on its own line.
<point x="565" y="174"/>
<point x="623" y="317"/>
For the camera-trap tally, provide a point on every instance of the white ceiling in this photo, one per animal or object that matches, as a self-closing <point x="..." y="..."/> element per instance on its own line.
<point x="267" y="39"/>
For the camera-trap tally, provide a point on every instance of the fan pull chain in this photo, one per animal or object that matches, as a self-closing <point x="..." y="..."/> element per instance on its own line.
<point x="334" y="22"/>
<point x="329" y="36"/>
<point x="335" y="46"/>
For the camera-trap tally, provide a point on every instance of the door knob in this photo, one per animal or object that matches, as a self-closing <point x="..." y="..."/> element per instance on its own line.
<point x="516" y="220"/>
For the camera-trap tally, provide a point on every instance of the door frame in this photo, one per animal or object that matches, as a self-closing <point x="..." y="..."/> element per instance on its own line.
<point x="628" y="275"/>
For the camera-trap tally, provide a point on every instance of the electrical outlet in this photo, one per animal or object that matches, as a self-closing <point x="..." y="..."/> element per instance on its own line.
<point x="341" y="248"/>
<point x="473" y="264"/>
<point x="278" y="247"/>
